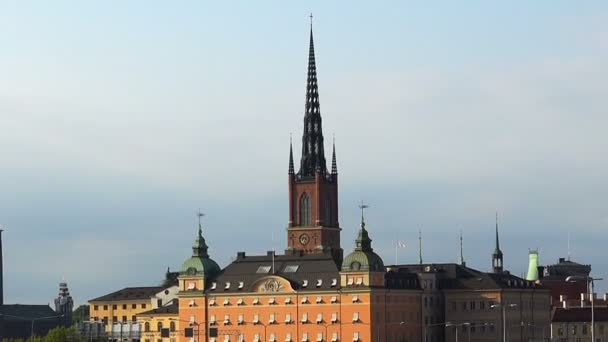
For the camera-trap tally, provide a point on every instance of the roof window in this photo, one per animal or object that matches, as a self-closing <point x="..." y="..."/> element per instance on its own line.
<point x="264" y="269"/>
<point x="291" y="268"/>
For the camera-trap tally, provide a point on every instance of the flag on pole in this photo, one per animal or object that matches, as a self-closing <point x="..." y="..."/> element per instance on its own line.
<point x="398" y="244"/>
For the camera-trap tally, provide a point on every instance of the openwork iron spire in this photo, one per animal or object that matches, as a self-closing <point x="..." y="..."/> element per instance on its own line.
<point x="313" y="155"/>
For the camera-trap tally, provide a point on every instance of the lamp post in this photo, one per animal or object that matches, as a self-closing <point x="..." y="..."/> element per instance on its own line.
<point x="456" y="325"/>
<point x="198" y="328"/>
<point x="591" y="298"/>
<point x="504" y="317"/>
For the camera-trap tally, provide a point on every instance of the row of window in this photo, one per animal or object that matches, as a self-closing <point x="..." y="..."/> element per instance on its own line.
<point x="272" y="337"/>
<point x="574" y="329"/>
<point x="159" y="326"/>
<point x="472" y="305"/>
<point x="273" y="301"/>
<point x="114" y="319"/>
<point x="115" y="307"/>
<point x="266" y="269"/>
<point x="274" y="319"/>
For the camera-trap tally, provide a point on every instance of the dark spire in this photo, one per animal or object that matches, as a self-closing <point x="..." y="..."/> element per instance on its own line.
<point x="497" y="255"/>
<point x="1" y="272"/>
<point x="200" y="248"/>
<point x="291" y="169"/>
<point x="313" y="155"/>
<point x="334" y="164"/>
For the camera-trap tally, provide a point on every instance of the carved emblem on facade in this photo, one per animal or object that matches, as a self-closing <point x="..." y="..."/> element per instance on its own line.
<point x="272" y="285"/>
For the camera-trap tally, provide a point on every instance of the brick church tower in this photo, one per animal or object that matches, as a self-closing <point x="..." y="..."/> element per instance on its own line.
<point x="313" y="226"/>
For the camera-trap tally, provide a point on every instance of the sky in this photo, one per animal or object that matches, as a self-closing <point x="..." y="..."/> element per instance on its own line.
<point x="119" y="120"/>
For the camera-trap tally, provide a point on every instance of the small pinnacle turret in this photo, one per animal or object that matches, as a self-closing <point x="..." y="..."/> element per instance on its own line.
<point x="497" y="265"/>
<point x="291" y="168"/>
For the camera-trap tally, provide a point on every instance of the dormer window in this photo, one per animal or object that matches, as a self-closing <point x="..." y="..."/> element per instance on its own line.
<point x="227" y="286"/>
<point x="191" y="285"/>
<point x="263" y="269"/>
<point x="334" y="282"/>
<point x="359" y="281"/>
<point x="241" y="284"/>
<point x="213" y="285"/>
<point x="304" y="283"/>
<point x="319" y="282"/>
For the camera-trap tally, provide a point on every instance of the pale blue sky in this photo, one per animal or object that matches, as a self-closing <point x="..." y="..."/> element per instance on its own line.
<point x="119" y="119"/>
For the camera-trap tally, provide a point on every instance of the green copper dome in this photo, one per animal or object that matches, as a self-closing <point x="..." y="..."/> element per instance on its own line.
<point x="363" y="257"/>
<point x="200" y="263"/>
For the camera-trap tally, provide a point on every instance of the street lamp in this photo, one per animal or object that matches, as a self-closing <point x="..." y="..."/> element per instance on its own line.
<point x="504" y="317"/>
<point x="573" y="279"/>
<point x="198" y="328"/>
<point x="456" y="325"/>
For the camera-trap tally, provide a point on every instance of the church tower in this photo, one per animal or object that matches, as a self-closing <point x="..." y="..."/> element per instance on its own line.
<point x="497" y="266"/>
<point x="313" y="226"/>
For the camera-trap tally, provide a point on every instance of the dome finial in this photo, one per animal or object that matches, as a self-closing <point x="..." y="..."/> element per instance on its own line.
<point x="200" y="215"/>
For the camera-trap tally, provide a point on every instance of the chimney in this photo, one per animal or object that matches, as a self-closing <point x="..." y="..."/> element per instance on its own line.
<point x="1" y="272"/>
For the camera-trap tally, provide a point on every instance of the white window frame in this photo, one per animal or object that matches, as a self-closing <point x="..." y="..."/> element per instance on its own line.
<point x="320" y="337"/>
<point x="227" y="286"/>
<point x="350" y="281"/>
<point x="304" y="337"/>
<point x="288" y="300"/>
<point x="334" y="317"/>
<point x="319" y="282"/>
<point x="334" y="299"/>
<point x="355" y="317"/>
<point x="287" y="318"/>
<point x="239" y="301"/>
<point x="319" y="317"/>
<point x="304" y="317"/>
<point x="334" y="282"/>
<point x="288" y="337"/>
<point x="271" y="319"/>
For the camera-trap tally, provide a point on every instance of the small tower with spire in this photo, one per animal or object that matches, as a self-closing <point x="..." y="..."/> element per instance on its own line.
<point x="363" y="263"/>
<point x="497" y="266"/>
<point x="64" y="304"/>
<point x="462" y="262"/>
<point x="313" y="226"/>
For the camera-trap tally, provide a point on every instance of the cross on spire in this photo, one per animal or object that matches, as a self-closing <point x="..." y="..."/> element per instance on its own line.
<point x="310" y="16"/>
<point x="200" y="215"/>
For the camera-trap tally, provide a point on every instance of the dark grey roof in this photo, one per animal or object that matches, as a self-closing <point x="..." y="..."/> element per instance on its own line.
<point x="309" y="267"/>
<point x="130" y="293"/>
<point x="574" y="314"/>
<point x="456" y="276"/>
<point x="172" y="308"/>
<point x="19" y="311"/>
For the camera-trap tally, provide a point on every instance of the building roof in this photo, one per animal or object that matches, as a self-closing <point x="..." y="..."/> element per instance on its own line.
<point x="130" y="293"/>
<point x="20" y="311"/>
<point x="579" y="314"/>
<point x="297" y="269"/>
<point x="172" y="308"/>
<point x="453" y="276"/>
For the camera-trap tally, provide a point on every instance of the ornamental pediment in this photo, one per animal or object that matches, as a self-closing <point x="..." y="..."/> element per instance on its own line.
<point x="272" y="284"/>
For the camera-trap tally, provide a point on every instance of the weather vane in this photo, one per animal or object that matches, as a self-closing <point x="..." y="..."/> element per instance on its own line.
<point x="363" y="206"/>
<point x="200" y="215"/>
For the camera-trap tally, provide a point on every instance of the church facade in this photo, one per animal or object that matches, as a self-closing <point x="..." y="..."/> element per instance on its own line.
<point x="311" y="293"/>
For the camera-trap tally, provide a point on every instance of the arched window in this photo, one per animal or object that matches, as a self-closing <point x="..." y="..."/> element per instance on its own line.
<point x="172" y="326"/>
<point x="160" y="326"/>
<point x="305" y="210"/>
<point x="147" y="327"/>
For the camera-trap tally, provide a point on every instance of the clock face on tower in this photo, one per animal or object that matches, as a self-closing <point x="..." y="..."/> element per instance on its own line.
<point x="304" y="239"/>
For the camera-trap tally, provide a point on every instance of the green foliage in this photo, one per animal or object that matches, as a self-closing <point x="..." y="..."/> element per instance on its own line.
<point x="81" y="314"/>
